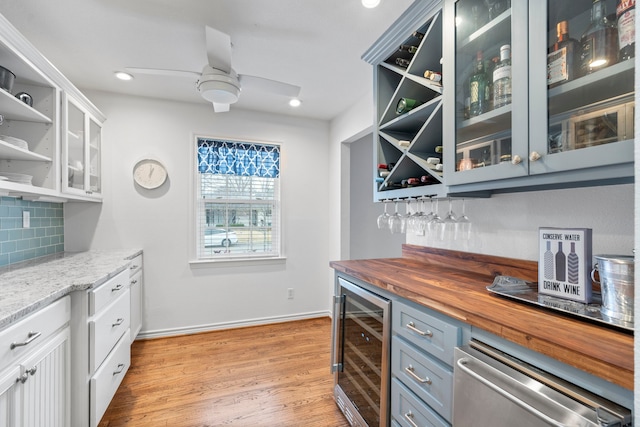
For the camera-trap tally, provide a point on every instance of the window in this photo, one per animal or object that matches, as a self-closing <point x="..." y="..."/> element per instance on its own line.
<point x="238" y="199"/>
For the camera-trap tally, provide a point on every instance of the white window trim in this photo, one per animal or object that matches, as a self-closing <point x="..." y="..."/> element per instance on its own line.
<point x="245" y="260"/>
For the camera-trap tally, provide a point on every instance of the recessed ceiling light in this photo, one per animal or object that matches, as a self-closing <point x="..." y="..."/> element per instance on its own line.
<point x="123" y="76"/>
<point x="295" y="102"/>
<point x="370" y="4"/>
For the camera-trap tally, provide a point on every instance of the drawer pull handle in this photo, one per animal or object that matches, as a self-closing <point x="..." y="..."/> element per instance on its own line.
<point x="117" y="287"/>
<point x="23" y="378"/>
<point x="30" y="337"/>
<point x="409" y="370"/>
<point x="133" y="282"/>
<point x="409" y="417"/>
<point x="119" y="369"/>
<point x="119" y="322"/>
<point x="412" y="326"/>
<point x="133" y="267"/>
<point x="32" y="371"/>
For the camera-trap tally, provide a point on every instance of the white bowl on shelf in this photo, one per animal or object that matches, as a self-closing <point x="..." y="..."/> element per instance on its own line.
<point x="17" y="177"/>
<point x="20" y="143"/>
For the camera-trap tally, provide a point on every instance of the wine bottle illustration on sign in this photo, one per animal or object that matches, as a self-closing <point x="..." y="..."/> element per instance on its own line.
<point x="548" y="262"/>
<point x="561" y="264"/>
<point x="573" y="264"/>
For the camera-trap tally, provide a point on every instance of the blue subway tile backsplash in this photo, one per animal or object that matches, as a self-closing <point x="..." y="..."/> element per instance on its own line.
<point x="45" y="235"/>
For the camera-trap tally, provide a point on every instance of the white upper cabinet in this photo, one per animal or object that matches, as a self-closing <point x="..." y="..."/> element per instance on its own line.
<point x="34" y="141"/>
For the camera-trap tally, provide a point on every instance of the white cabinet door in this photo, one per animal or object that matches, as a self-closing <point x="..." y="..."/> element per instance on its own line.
<point x="45" y="391"/>
<point x="10" y="397"/>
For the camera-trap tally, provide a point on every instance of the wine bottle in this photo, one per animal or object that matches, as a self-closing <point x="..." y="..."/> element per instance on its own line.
<point x="561" y="264"/>
<point x="434" y="76"/>
<point x="477" y="88"/>
<point x="626" y="20"/>
<point x="502" y="78"/>
<point x="418" y="35"/>
<point x="562" y="58"/>
<point x="599" y="42"/>
<point x="408" y="48"/>
<point x="573" y="265"/>
<point x="404" y="63"/>
<point x="548" y="262"/>
<point x="387" y="166"/>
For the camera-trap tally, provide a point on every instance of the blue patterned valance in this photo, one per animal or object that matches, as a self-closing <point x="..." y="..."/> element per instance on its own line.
<point x="238" y="158"/>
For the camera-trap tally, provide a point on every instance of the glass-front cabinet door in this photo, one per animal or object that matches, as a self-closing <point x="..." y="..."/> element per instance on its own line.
<point x="582" y="95"/>
<point x="487" y="95"/>
<point x="81" y="152"/>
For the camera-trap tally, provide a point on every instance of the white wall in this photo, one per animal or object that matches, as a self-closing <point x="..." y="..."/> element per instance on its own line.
<point x="366" y="240"/>
<point x="507" y="224"/>
<point x="177" y="296"/>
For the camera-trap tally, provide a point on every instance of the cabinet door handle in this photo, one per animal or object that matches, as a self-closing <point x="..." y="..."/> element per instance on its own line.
<point x="30" y="337"/>
<point x="119" y="322"/>
<point x="516" y="160"/>
<point x="534" y="156"/>
<point x="410" y="370"/>
<point x="117" y="287"/>
<point x="412" y="326"/>
<point x="119" y="369"/>
<point x="409" y="417"/>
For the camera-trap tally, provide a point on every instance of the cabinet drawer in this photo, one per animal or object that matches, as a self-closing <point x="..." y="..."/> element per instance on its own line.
<point x="107" y="328"/>
<point x="108" y="378"/>
<point x="108" y="291"/>
<point x="425" y="331"/>
<point x="136" y="264"/>
<point x="409" y="411"/>
<point x="32" y="330"/>
<point x="427" y="378"/>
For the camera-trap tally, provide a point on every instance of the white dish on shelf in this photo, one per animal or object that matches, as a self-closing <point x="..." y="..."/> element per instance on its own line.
<point x="20" y="143"/>
<point x="17" y="177"/>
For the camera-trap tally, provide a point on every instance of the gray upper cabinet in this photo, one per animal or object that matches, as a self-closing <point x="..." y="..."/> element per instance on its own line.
<point x="519" y="106"/>
<point x="567" y="124"/>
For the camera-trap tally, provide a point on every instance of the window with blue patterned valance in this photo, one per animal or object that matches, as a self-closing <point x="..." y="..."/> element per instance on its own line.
<point x="238" y="158"/>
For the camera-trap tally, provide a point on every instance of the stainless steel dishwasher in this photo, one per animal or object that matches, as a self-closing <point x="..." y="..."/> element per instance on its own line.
<point x="494" y="389"/>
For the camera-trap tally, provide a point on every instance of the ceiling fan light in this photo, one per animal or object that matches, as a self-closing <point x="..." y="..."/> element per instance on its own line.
<point x="370" y="4"/>
<point x="219" y="92"/>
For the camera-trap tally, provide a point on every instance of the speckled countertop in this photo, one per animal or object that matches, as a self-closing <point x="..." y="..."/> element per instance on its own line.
<point x="30" y="287"/>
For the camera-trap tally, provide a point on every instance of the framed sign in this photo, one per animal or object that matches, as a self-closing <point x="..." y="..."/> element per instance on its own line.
<point x="564" y="263"/>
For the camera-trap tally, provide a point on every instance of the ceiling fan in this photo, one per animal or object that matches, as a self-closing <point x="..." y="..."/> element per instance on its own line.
<point x="218" y="83"/>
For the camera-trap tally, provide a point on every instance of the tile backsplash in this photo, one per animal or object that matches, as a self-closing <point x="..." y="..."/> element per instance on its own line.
<point x="45" y="235"/>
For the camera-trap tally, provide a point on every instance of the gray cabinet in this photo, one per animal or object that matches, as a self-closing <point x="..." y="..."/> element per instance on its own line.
<point x="421" y="364"/>
<point x="555" y="130"/>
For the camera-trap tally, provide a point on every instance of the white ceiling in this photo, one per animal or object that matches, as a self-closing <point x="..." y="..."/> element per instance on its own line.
<point x="315" y="44"/>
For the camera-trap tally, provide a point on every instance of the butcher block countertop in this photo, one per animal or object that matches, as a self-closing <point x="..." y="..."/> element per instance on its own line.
<point x="454" y="283"/>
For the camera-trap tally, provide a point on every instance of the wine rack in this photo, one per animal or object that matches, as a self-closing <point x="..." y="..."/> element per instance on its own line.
<point x="411" y="141"/>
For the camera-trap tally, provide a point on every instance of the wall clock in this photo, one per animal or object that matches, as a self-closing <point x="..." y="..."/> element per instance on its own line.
<point x="149" y="173"/>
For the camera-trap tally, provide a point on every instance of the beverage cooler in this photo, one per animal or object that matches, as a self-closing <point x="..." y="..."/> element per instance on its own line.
<point x="360" y="354"/>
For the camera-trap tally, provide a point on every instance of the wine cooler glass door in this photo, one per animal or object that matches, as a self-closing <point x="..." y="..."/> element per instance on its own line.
<point x="363" y="378"/>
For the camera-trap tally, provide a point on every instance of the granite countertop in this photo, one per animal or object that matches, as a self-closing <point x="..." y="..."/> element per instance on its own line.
<point x="40" y="282"/>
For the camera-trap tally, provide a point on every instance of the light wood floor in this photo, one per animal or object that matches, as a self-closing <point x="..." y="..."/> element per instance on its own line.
<point x="274" y="375"/>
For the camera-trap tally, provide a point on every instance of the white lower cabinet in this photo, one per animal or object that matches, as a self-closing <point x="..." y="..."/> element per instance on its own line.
<point x="35" y="369"/>
<point x="101" y="337"/>
<point x="421" y="365"/>
<point x="136" y="287"/>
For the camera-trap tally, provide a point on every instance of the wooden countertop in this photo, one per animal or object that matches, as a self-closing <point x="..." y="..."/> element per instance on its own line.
<point x="454" y="283"/>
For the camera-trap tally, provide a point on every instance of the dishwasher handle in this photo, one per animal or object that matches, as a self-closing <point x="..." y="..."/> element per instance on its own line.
<point x="465" y="364"/>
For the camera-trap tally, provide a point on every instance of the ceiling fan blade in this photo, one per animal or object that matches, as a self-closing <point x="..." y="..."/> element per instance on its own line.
<point x="268" y="85"/>
<point x="161" y="72"/>
<point x="220" y="108"/>
<point x="218" y="50"/>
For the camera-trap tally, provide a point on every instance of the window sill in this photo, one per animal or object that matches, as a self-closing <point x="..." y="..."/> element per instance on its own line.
<point x="203" y="263"/>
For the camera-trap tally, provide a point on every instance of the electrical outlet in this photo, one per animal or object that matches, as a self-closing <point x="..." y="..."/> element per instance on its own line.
<point x="26" y="219"/>
<point x="290" y="293"/>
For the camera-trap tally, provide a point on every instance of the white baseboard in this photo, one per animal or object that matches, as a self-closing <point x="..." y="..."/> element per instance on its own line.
<point x="161" y="333"/>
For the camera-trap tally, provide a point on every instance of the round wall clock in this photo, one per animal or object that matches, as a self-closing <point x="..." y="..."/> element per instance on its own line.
<point x="149" y="173"/>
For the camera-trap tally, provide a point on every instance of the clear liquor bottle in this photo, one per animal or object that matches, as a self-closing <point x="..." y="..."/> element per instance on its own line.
<point x="599" y="42"/>
<point x="502" y="78"/>
<point x="478" y="88"/>
<point x="562" y="59"/>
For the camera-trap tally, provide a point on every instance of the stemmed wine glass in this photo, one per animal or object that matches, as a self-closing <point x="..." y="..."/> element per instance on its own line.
<point x="383" y="219"/>
<point x="463" y="226"/>
<point x="396" y="221"/>
<point x="435" y="222"/>
<point x="448" y="227"/>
